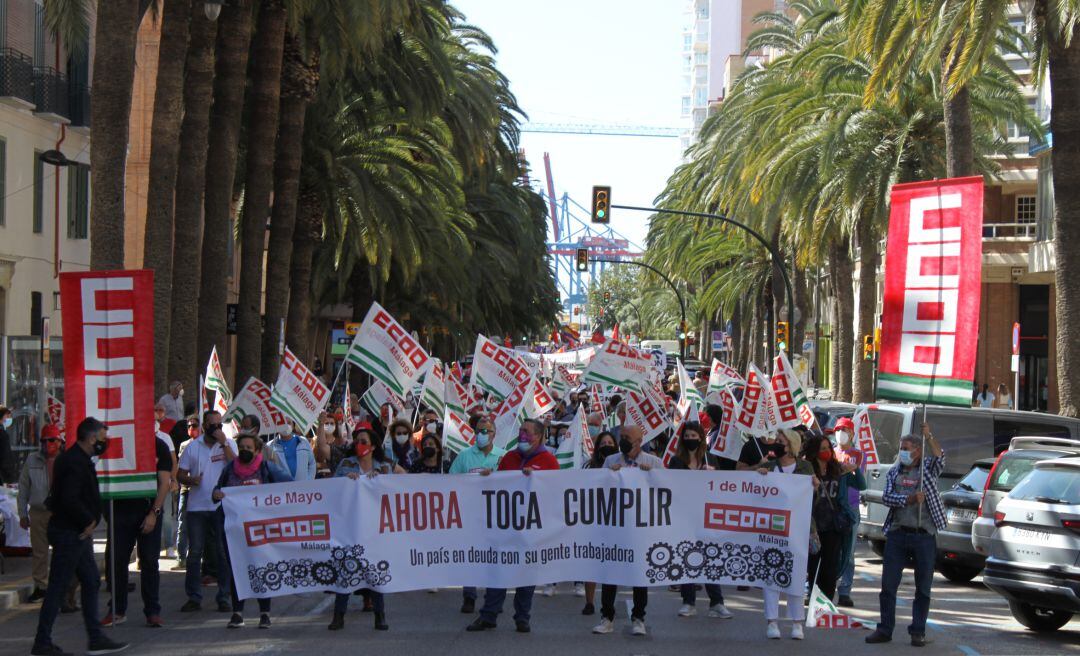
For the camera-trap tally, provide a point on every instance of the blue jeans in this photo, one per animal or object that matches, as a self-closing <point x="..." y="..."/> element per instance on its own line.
<point x="847" y="562"/>
<point x="689" y="593"/>
<point x="341" y="602"/>
<point x="127" y="534"/>
<point x="899" y="545"/>
<point x="181" y="527"/>
<point x="71" y="556"/>
<point x="495" y="597"/>
<point x="205" y="531"/>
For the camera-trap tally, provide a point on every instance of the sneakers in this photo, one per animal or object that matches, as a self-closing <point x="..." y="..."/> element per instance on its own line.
<point x="638" y="627"/>
<point x="919" y="640"/>
<point x="154" y="622"/>
<point x="39" y="594"/>
<point x="468" y="605"/>
<point x="579" y="589"/>
<point x="877" y="637"/>
<point x="605" y="626"/>
<point x="588" y="610"/>
<point x="796" y="631"/>
<point x="170" y="553"/>
<point x="845" y="601"/>
<point x="264" y="621"/>
<point x="772" y="632"/>
<point x="104" y="645"/>
<point x="180" y="566"/>
<point x="236" y="621"/>
<point x="480" y="624"/>
<point x="190" y="606"/>
<point x="686" y="610"/>
<point x="48" y="650"/>
<point x="113" y="620"/>
<point x="720" y="611"/>
<point x="548" y="590"/>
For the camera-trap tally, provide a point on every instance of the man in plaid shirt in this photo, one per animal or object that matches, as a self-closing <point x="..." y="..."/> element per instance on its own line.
<point x="915" y="517"/>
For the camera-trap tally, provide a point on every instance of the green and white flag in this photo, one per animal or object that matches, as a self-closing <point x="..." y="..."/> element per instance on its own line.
<point x="378" y="395"/>
<point x="223" y="398"/>
<point x="386" y="351"/>
<point x="619" y="365"/>
<point x="576" y="448"/>
<point x="433" y="394"/>
<point x="497" y="370"/>
<point x="298" y="393"/>
<point x="686" y="385"/>
<point x="457" y="434"/>
<point x="823" y="614"/>
<point x="254" y="399"/>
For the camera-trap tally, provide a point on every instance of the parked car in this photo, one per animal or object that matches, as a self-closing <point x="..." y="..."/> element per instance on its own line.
<point x="827" y="412"/>
<point x="966" y="434"/>
<point x="957" y="560"/>
<point x="1009" y="469"/>
<point x="1034" y="557"/>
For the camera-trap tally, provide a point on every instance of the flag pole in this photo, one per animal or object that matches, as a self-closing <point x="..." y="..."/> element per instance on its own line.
<point x="111" y="550"/>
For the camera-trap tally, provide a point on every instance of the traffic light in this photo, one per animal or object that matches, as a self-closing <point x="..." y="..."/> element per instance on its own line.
<point x="782" y="335"/>
<point x="607" y="297"/>
<point x="868" y="347"/>
<point x="601" y="204"/>
<point x="582" y="259"/>
<point x="682" y="330"/>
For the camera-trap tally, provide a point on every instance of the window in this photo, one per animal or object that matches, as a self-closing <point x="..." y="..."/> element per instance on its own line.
<point x="686" y="105"/>
<point x="3" y="178"/>
<point x="78" y="218"/>
<point x="687" y="41"/>
<point x="1050" y="485"/>
<point x="35" y="314"/>
<point x="39" y="193"/>
<point x="886" y="426"/>
<point x="974" y="480"/>
<point x="1012" y="468"/>
<point x="701" y="58"/>
<point x="700" y="97"/>
<point x="966" y="435"/>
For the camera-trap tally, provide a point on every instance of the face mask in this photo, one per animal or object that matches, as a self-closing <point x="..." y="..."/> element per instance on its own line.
<point x="594" y="431"/>
<point x="843" y="438"/>
<point x="608" y="450"/>
<point x="246" y="457"/>
<point x="157" y="426"/>
<point x="363" y="450"/>
<point x="401" y="438"/>
<point x="100" y="446"/>
<point x="905" y="458"/>
<point x="7" y="422"/>
<point x="483" y="439"/>
<point x="52" y="447"/>
<point x="432" y="427"/>
<point x="192" y="431"/>
<point x="626" y="446"/>
<point x="691" y="445"/>
<point x="825" y="456"/>
<point x="329" y="428"/>
<point x="779" y="450"/>
<point x="524" y="441"/>
<point x="429" y="452"/>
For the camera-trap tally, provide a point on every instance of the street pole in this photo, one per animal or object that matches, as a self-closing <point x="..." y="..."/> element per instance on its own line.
<point x="778" y="261"/>
<point x="678" y="295"/>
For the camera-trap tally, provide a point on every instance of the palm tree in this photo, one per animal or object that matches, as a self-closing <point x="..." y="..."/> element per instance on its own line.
<point x="190" y="184"/>
<point x="164" y="156"/>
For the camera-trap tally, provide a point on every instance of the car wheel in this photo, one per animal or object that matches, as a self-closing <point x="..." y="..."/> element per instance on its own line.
<point x="1042" y="620"/>
<point x="959" y="573"/>
<point x="878" y="547"/>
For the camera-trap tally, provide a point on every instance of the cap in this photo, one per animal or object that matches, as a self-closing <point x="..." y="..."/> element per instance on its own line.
<point x="844" y="423"/>
<point x="51" y="430"/>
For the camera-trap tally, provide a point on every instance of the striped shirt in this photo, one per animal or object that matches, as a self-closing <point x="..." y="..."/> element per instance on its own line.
<point x="931" y="469"/>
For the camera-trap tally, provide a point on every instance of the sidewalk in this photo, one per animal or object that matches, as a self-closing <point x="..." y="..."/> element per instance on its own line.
<point x="16" y="584"/>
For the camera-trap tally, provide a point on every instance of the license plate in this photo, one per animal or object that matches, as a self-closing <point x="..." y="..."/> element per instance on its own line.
<point x="960" y="515"/>
<point x="1029" y="534"/>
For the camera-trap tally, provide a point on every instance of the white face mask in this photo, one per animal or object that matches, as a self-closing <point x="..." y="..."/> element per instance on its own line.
<point x="843" y="438"/>
<point x="401" y="439"/>
<point x="432" y="426"/>
<point x="330" y="428"/>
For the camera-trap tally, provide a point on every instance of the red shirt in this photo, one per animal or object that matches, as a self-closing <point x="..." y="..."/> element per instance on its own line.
<point x="542" y="459"/>
<point x="166" y="425"/>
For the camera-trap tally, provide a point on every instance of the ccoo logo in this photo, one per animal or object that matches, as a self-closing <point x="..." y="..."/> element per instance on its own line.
<point x="305" y="528"/>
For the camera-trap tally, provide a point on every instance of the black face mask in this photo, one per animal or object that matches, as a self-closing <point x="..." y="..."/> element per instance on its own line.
<point x="691" y="445"/>
<point x="100" y="446"/>
<point x="246" y="456"/>
<point x="429" y="452"/>
<point x="626" y="446"/>
<point x="778" y="450"/>
<point x="608" y="450"/>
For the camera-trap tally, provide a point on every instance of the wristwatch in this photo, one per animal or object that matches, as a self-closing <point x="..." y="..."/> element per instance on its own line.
<point x="156" y="511"/>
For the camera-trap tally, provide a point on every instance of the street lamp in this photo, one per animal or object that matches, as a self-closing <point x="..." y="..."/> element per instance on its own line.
<point x="212" y="8"/>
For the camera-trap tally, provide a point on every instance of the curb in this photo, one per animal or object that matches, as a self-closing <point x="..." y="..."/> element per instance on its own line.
<point x="15" y="594"/>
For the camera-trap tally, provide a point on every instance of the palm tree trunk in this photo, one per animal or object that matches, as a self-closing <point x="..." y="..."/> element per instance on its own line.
<point x="262" y="128"/>
<point x="110" y="105"/>
<point x="308" y="226"/>
<point x="190" y="183"/>
<point x="1064" y="64"/>
<point x="360" y="281"/>
<point x="233" y="38"/>
<point x="863" y="382"/>
<point x="845" y="318"/>
<point x="802" y="304"/>
<point x="735" y="356"/>
<point x="298" y="84"/>
<point x="164" y="153"/>
<point x="959" y="144"/>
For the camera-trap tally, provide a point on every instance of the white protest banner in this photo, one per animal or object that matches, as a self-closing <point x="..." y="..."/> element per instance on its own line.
<point x="573" y="451"/>
<point x="864" y="436"/>
<point x="434" y="392"/>
<point x="298" y="393"/>
<point x="619" y="365"/>
<point x="457" y="396"/>
<point x="384" y="349"/>
<point x="540" y="401"/>
<point x="686" y="385"/>
<point x="628" y="527"/>
<point x="561" y="381"/>
<point x="788" y="398"/>
<point x="687" y="412"/>
<point x="215" y="380"/>
<point x="350" y="422"/>
<point x="722" y="376"/>
<point x="727" y="442"/>
<point x="507" y="417"/>
<point x="497" y="370"/>
<point x="752" y="415"/>
<point x="457" y="434"/>
<point x="575" y="357"/>
<point x="596" y="399"/>
<point x="646" y="412"/>
<point x="254" y="399"/>
<point x="379" y="395"/>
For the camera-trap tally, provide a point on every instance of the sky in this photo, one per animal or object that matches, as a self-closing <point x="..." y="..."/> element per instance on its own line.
<point x="595" y="62"/>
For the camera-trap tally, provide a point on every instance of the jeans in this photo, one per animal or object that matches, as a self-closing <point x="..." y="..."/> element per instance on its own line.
<point x="181" y="527"/>
<point x="127" y="534"/>
<point x="899" y="545"/>
<point x="468" y="593"/>
<point x="795" y="610"/>
<point x="847" y="561"/>
<point x="71" y="557"/>
<point x="494" y="598"/>
<point x="341" y="602"/>
<point x="689" y="594"/>
<point x="205" y="532"/>
<point x="607" y="602"/>
<point x="167" y="521"/>
<point x="826" y="563"/>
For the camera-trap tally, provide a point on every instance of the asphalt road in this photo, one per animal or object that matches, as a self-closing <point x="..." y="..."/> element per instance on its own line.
<point x="965" y="619"/>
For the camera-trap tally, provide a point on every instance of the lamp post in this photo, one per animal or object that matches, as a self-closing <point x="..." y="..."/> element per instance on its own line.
<point x="682" y="305"/>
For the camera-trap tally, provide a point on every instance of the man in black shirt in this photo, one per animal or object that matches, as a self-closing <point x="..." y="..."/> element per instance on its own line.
<point x="137" y="523"/>
<point x="76" y="509"/>
<point x="758" y="451"/>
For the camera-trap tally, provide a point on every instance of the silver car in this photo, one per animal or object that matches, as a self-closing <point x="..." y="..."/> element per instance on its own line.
<point x="1035" y="549"/>
<point x="1011" y="467"/>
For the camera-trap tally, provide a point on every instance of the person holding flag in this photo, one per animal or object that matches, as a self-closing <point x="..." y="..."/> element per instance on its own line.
<point x="692" y="454"/>
<point x="832" y="514"/>
<point x="848" y="454"/>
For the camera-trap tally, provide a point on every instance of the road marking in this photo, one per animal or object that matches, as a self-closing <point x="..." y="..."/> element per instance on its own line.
<point x="320" y="608"/>
<point x="967" y="651"/>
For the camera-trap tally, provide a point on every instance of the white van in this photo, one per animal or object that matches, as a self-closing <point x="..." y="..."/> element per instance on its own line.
<point x="665" y="345"/>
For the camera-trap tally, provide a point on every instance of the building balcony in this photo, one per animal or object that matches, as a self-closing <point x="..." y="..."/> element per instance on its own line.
<point x="16" y="79"/>
<point x="51" y="95"/>
<point x="79" y="104"/>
